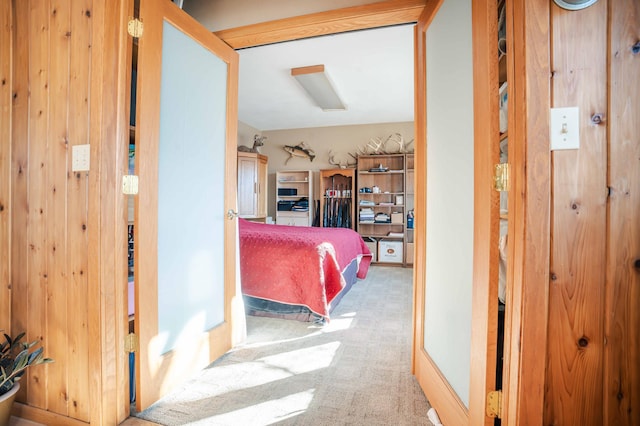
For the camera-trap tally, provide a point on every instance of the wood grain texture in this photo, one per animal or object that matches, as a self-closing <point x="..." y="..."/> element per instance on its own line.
<point x="579" y="223"/>
<point x="107" y="239"/>
<point x="19" y="168"/>
<point x="59" y="101"/>
<point x="6" y="14"/>
<point x="622" y="320"/>
<point x="57" y="250"/>
<point x="528" y="65"/>
<point x="77" y="202"/>
<point x="390" y="12"/>
<point x="38" y="121"/>
<point x="484" y="316"/>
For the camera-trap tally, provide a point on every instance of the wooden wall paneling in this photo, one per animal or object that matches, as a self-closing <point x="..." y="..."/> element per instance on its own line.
<point x="108" y="361"/>
<point x="576" y="292"/>
<point x="77" y="216"/>
<point x="6" y="15"/>
<point x="484" y="322"/>
<point x="38" y="121"/>
<point x="19" y="168"/>
<point x="528" y="70"/>
<point x="622" y="320"/>
<point x="55" y="342"/>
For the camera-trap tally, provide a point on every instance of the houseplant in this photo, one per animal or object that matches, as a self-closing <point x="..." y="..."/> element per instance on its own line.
<point x="15" y="357"/>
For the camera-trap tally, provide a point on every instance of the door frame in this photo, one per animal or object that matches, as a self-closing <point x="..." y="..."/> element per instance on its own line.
<point x="412" y="11"/>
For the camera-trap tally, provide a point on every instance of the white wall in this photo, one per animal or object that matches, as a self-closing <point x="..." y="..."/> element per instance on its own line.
<point x="450" y="168"/>
<point x="342" y="140"/>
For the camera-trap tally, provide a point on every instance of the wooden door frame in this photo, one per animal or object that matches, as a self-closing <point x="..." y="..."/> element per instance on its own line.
<point x="525" y="327"/>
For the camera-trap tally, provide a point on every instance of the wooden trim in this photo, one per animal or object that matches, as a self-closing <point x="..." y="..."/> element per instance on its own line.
<point x="313" y="69"/>
<point x="6" y="40"/>
<point x="42" y="416"/>
<point x="390" y="12"/>
<point x="107" y="214"/>
<point x="484" y="320"/>
<point x="529" y="208"/>
<point x="441" y="396"/>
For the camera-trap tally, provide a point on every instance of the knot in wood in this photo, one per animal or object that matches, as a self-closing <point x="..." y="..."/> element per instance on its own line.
<point x="583" y="342"/>
<point x="636" y="264"/>
<point x="597" y="118"/>
<point x="636" y="48"/>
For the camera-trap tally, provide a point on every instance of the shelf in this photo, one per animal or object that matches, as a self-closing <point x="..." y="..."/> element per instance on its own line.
<point x="390" y="172"/>
<point x="301" y="182"/>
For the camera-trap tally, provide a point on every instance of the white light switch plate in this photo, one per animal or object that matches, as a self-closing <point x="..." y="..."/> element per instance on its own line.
<point x="80" y="158"/>
<point x="565" y="128"/>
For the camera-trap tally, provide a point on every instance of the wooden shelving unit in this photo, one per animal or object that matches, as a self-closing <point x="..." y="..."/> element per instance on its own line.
<point x="381" y="205"/>
<point x="337" y="204"/>
<point x="291" y="187"/>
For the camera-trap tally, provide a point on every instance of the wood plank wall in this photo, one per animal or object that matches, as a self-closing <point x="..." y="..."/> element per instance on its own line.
<point x="5" y="163"/>
<point x="51" y="99"/>
<point x="68" y="229"/>
<point x="593" y="361"/>
<point x="622" y="314"/>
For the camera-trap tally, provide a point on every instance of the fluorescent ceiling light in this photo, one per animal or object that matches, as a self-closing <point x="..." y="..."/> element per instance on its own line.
<point x="316" y="83"/>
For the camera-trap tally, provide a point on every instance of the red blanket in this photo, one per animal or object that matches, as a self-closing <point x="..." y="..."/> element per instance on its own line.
<point x="298" y="265"/>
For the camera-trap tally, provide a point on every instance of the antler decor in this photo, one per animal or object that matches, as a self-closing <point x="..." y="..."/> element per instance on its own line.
<point x="341" y="164"/>
<point x="376" y="146"/>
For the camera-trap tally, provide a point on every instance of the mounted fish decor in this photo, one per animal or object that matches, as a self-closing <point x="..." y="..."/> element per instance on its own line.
<point x="301" y="150"/>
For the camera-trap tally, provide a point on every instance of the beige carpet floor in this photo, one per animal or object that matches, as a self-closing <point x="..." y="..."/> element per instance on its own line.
<point x="353" y="371"/>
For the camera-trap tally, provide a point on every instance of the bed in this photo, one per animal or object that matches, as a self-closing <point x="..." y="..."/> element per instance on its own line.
<point x="298" y="272"/>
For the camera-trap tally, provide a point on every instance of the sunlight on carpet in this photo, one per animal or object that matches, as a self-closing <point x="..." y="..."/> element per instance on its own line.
<point x="354" y="370"/>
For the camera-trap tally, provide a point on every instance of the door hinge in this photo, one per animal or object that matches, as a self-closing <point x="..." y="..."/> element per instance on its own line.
<point x="501" y="177"/>
<point x="131" y="343"/>
<point x="494" y="404"/>
<point x="135" y="27"/>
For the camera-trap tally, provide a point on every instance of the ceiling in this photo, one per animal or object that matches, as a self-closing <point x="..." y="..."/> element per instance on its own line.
<point x="372" y="71"/>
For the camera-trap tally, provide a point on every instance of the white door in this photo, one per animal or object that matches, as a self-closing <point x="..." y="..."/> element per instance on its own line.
<point x="186" y="130"/>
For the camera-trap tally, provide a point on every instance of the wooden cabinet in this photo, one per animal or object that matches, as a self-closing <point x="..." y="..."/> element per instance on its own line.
<point x="252" y="185"/>
<point x="337" y="198"/>
<point x="381" y="204"/>
<point x="294" y="198"/>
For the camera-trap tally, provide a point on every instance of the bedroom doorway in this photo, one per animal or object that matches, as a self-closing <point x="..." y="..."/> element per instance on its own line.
<point x="483" y="313"/>
<point x="384" y="13"/>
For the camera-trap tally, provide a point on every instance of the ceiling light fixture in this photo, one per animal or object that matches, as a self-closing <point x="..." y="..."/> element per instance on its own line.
<point x="316" y="83"/>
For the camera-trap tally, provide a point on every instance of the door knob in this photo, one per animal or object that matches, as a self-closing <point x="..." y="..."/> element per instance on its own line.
<point x="231" y="214"/>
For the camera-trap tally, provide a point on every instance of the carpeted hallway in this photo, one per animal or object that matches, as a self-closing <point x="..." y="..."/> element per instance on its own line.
<point x="353" y="371"/>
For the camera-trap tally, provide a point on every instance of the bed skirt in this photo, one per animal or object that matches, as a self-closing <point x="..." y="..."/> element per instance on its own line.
<point x="269" y="308"/>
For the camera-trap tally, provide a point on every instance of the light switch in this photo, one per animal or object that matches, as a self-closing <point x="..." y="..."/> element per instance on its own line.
<point x="565" y="128"/>
<point x="80" y="158"/>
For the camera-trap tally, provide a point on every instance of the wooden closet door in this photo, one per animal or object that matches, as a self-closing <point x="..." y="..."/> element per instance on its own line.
<point x="186" y="160"/>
